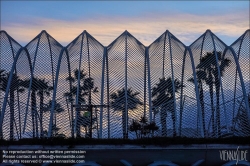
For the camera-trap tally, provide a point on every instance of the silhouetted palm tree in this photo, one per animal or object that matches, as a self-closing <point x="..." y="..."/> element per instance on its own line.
<point x="57" y="109"/>
<point x="118" y="101"/>
<point x="14" y="86"/>
<point x="163" y="95"/>
<point x="209" y="65"/>
<point x="201" y="78"/>
<point x="43" y="89"/>
<point x="142" y="127"/>
<point x="86" y="87"/>
<point x="34" y="90"/>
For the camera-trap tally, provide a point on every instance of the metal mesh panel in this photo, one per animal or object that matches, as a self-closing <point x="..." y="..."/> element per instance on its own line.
<point x="136" y="80"/>
<point x="116" y="68"/>
<point x="14" y="115"/>
<point x="89" y="53"/>
<point x="241" y="47"/>
<point x="129" y="77"/>
<point x="215" y="70"/>
<point x="44" y="52"/>
<point x="171" y="65"/>
<point x="126" y="67"/>
<point x="62" y="123"/>
<point x="8" y="49"/>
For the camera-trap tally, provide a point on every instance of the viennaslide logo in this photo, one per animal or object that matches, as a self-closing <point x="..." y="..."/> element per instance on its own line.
<point x="235" y="155"/>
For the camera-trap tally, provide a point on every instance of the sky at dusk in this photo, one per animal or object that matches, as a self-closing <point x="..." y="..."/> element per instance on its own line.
<point x="106" y="20"/>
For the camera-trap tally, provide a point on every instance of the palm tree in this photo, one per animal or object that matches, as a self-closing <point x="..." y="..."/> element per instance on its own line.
<point x="14" y="86"/>
<point x="86" y="87"/>
<point x="34" y="90"/>
<point x="57" y="109"/>
<point x="43" y="89"/>
<point x="201" y="77"/>
<point x="164" y="98"/>
<point x="208" y="64"/>
<point x="118" y="104"/>
<point x="85" y="121"/>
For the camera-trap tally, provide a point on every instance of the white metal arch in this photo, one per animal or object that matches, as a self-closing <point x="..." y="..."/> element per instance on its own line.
<point x="9" y="83"/>
<point x="32" y="72"/>
<point x="219" y="75"/>
<point x="64" y="49"/>
<point x="241" y="81"/>
<point x="196" y="89"/>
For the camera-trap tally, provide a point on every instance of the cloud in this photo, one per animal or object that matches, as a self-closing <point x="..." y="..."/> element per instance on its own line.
<point x="145" y="27"/>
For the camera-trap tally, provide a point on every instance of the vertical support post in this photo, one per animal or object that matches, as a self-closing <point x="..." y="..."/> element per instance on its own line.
<point x="145" y="85"/>
<point x="182" y="78"/>
<point x="19" y="117"/>
<point x="163" y="56"/>
<point x="78" y="87"/>
<point x="149" y="85"/>
<point x="54" y="93"/>
<point x="242" y="84"/>
<point x="236" y="73"/>
<point x="70" y="87"/>
<point x="219" y="75"/>
<point x="196" y="90"/>
<point x="102" y="89"/>
<point x="126" y="82"/>
<point x="32" y="72"/>
<point x="53" y="77"/>
<point x="107" y="71"/>
<point x="227" y="123"/>
<point x="173" y="82"/>
<point x="89" y="90"/>
<point x="51" y="59"/>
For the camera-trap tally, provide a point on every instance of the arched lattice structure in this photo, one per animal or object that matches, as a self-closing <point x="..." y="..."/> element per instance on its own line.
<point x="15" y="97"/>
<point x="44" y="52"/>
<point x="215" y="63"/>
<point x="199" y="90"/>
<point x="242" y="49"/>
<point x="126" y="82"/>
<point x="172" y="94"/>
<point x="79" y="83"/>
<point x="8" y="51"/>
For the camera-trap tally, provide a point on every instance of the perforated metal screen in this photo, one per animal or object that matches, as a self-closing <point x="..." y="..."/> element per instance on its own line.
<point x="88" y="90"/>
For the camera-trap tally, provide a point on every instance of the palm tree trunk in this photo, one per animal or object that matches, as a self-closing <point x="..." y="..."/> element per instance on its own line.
<point x="124" y="123"/>
<point x="12" y="97"/>
<point x="174" y="122"/>
<point x="171" y="109"/>
<point x="201" y="95"/>
<point x="41" y="114"/>
<point x="181" y="114"/>
<point x="78" y="133"/>
<point x="163" y="123"/>
<point x="36" y="118"/>
<point x="72" y="120"/>
<point x="33" y="106"/>
<point x="217" y="88"/>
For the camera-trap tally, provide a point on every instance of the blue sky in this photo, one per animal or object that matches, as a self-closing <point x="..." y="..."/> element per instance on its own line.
<point x="106" y="20"/>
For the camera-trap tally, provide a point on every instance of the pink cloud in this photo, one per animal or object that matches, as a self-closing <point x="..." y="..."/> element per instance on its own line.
<point x="146" y="28"/>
